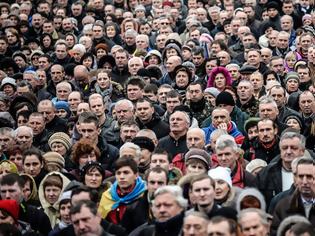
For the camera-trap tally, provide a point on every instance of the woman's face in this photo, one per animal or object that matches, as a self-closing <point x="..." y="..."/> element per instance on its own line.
<point x="290" y="61"/>
<point x="153" y="60"/>
<point x="219" y="81"/>
<point x="5" y="169"/>
<point x="46" y="41"/>
<point x="32" y="165"/>
<point x="17" y="159"/>
<point x="110" y="31"/>
<point x="59" y="148"/>
<point x="129" y="25"/>
<point x="65" y="213"/>
<point x="62" y="113"/>
<point x="103" y="80"/>
<point x="87" y="62"/>
<point x="209" y="66"/>
<point x="8" y="90"/>
<point x="100" y="52"/>
<point x="12" y="39"/>
<point x="171" y="52"/>
<point x="93" y="178"/>
<point x="271" y="77"/>
<point x="83" y="159"/>
<point x="20" y="61"/>
<point x="292" y="85"/>
<point x="210" y="98"/>
<point x="27" y="190"/>
<point x="221" y="189"/>
<point x="70" y="41"/>
<point x="293" y="123"/>
<point x="181" y="79"/>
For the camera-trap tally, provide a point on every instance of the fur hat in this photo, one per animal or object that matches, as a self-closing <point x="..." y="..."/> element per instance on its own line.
<point x="224" y="98"/>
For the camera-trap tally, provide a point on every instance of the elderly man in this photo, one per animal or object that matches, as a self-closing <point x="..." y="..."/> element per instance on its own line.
<point x="246" y="99"/>
<point x="277" y="176"/>
<point x="221" y="120"/>
<point x="253" y="221"/>
<point x="24" y="137"/>
<point x="195" y="223"/>
<point x="168" y="209"/>
<point x="6" y="141"/>
<point x="135" y="64"/>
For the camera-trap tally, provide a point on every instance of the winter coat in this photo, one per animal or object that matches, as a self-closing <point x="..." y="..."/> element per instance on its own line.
<point x="265" y="154"/>
<point x="56" y="125"/>
<point x="51" y="210"/>
<point x="172" y="146"/>
<point x="276" y="199"/>
<point x="250" y="107"/>
<point x="159" y="127"/>
<point x="269" y="180"/>
<point x="290" y="205"/>
<point x="40" y="141"/>
<point x="109" y="154"/>
<point x="201" y="110"/>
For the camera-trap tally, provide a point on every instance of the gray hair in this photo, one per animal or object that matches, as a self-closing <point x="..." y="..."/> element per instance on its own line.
<point x="225" y="141"/>
<point x="23" y="127"/>
<point x="174" y="190"/>
<point x="268" y="100"/>
<point x="187" y="118"/>
<point x="131" y="32"/>
<point x="79" y="47"/>
<point x="7" y="131"/>
<point x="291" y="135"/>
<point x="30" y="72"/>
<point x="197" y="214"/>
<point x="125" y="101"/>
<point x="64" y="84"/>
<point x="262" y="215"/>
<point x="132" y="146"/>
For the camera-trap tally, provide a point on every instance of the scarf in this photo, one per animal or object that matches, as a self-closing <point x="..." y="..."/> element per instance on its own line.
<point x="111" y="200"/>
<point x="106" y="94"/>
<point x="238" y="176"/>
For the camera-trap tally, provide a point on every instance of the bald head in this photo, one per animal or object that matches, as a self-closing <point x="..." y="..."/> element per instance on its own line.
<point x="195" y="138"/>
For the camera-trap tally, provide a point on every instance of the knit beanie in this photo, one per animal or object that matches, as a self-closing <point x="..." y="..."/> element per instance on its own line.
<point x="251" y="122"/>
<point x="255" y="164"/>
<point x="60" y="137"/>
<point x="221" y="173"/>
<point x="11" y="207"/>
<point x="200" y="154"/>
<point x="54" y="158"/>
<point x="292" y="75"/>
<point x="213" y="91"/>
<point x="63" y="105"/>
<point x="224" y="98"/>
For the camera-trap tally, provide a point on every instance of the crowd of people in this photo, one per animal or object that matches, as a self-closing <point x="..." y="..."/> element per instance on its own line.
<point x="157" y="117"/>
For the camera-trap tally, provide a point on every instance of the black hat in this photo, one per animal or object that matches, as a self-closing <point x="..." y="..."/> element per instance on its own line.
<point x="144" y="142"/>
<point x="272" y="4"/>
<point x="251" y="122"/>
<point x="143" y="72"/>
<point x="90" y="165"/>
<point x="247" y="69"/>
<point x="225" y="98"/>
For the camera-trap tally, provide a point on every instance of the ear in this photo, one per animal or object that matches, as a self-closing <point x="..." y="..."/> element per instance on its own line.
<point x="276" y="131"/>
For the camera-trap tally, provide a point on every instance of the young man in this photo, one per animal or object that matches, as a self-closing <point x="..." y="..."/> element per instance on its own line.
<point x="125" y="191"/>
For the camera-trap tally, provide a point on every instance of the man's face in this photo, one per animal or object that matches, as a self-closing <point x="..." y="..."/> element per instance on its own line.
<point x="307" y="103"/>
<point x="165" y="207"/>
<point x="134" y="65"/>
<point x="196" y="92"/>
<point x="52" y="194"/>
<point x="130" y="40"/>
<point x="219" y="117"/>
<point x="203" y="192"/>
<point x="286" y="24"/>
<point x="251" y="225"/>
<point x="3" y="46"/>
<point x="162" y="95"/>
<point x="278" y="66"/>
<point x="98" y="32"/>
<point x="227" y="157"/>
<point x="198" y="59"/>
<point x="160" y="160"/>
<point x="155" y="180"/>
<point x="253" y="58"/>
<point x="290" y="149"/>
<point x="43" y="63"/>
<point x="6" y="141"/>
<point x="171" y="63"/>
<point x="32" y="165"/>
<point x="278" y="96"/>
<point x="123" y="112"/>
<point x="266" y="131"/>
<point x="37" y="21"/>
<point x="37" y="124"/>
<point x="85" y="222"/>
<point x="127" y="133"/>
<point x="244" y="91"/>
<point x="76" y="9"/>
<point x="272" y="12"/>
<point x="62" y="93"/>
<point x="171" y="103"/>
<point x="89" y="131"/>
<point x="134" y="92"/>
<point x="194" y="225"/>
<point x="221" y="228"/>
<point x="141" y="42"/>
<point x="74" y="100"/>
<point x="31" y="80"/>
<point x="121" y="59"/>
<point x="48" y="111"/>
<point x="24" y="139"/>
<point x="125" y="177"/>
<point x="61" y="51"/>
<point x="287" y="8"/>
<point x="223" y="58"/>
<point x="305" y="180"/>
<point x="282" y="41"/>
<point x="195" y="139"/>
<point x="97" y="107"/>
<point x="178" y="122"/>
<point x="12" y="192"/>
<point x="160" y="41"/>
<point x="268" y="111"/>
<point x="144" y="111"/>
<point x="304" y="74"/>
<point x="57" y="74"/>
<point x="306" y="42"/>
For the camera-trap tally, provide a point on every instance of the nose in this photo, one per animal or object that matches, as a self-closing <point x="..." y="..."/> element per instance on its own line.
<point x="31" y="168"/>
<point x="7" y="195"/>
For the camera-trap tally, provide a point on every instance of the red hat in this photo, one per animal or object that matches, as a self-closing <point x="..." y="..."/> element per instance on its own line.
<point x="167" y="3"/>
<point x="11" y="207"/>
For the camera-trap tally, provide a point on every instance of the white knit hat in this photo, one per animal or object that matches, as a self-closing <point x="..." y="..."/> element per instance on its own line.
<point x="221" y="173"/>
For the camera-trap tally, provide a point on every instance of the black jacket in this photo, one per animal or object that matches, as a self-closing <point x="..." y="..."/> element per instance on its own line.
<point x="266" y="154"/>
<point x="56" y="125"/>
<point x="269" y="180"/>
<point x="157" y="125"/>
<point x="109" y="154"/>
<point x="38" y="220"/>
<point x="41" y="141"/>
<point x="172" y="146"/>
<point x="276" y="199"/>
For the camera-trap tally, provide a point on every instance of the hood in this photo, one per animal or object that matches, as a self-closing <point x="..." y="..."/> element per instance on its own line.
<point x="168" y="46"/>
<point x="251" y="192"/>
<point x="33" y="195"/>
<point x="43" y="201"/>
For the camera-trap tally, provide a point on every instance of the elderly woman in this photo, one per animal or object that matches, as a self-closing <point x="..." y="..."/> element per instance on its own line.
<point x="82" y="152"/>
<point x="182" y="79"/>
<point x="219" y="78"/>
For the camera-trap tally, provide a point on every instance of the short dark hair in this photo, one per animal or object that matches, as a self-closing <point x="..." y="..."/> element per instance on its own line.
<point x="161" y="151"/>
<point x="92" y="192"/>
<point x="137" y="81"/>
<point x="158" y="170"/>
<point x="33" y="151"/>
<point x="88" y="117"/>
<point x="11" y="179"/>
<point x="151" y="88"/>
<point x="141" y="100"/>
<point x="84" y="203"/>
<point x="198" y="51"/>
<point x="201" y="177"/>
<point x="231" y="223"/>
<point x="126" y="161"/>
